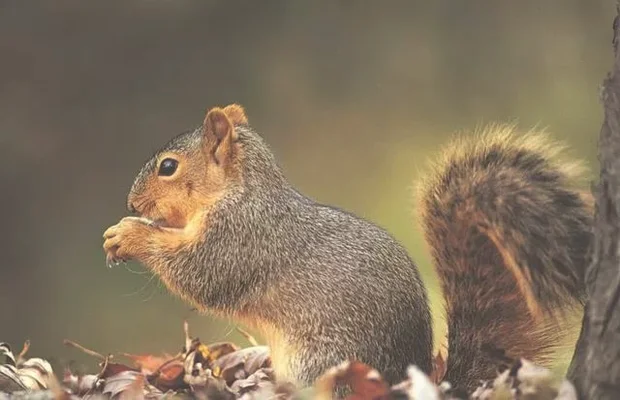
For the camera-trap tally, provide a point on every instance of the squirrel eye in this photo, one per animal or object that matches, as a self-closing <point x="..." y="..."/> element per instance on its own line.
<point x="168" y="167"/>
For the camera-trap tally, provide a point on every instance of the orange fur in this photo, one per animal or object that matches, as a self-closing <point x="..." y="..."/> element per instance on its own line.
<point x="236" y="114"/>
<point x="198" y="182"/>
<point x="134" y="238"/>
<point x="521" y="275"/>
<point x="175" y="208"/>
<point x="218" y="124"/>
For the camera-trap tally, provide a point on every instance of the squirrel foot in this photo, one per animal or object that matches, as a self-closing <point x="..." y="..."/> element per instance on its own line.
<point x="127" y="240"/>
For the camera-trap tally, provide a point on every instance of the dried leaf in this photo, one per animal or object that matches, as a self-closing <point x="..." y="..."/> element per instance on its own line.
<point x="259" y="385"/>
<point x="524" y="380"/>
<point x="81" y="385"/>
<point x="113" y="369"/>
<point x="35" y="373"/>
<point x="135" y="390"/>
<point x="165" y="373"/>
<point x="151" y="392"/>
<point x="536" y="382"/>
<point x="169" y="376"/>
<point x="242" y="363"/>
<point x="225" y="371"/>
<point x="196" y="374"/>
<point x="32" y="379"/>
<point x="287" y="391"/>
<point x="32" y="374"/>
<point x="221" y="349"/>
<point x="5" y="350"/>
<point x="9" y="379"/>
<point x="365" y="382"/>
<point x="204" y="384"/>
<point x="188" y="339"/>
<point x="125" y="381"/>
<point x="147" y="362"/>
<point x="421" y="385"/>
<point x="22" y="354"/>
<point x="439" y="368"/>
<point x="214" y="390"/>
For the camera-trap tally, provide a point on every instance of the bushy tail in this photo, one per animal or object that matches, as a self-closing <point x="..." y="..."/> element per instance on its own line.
<point x="509" y="235"/>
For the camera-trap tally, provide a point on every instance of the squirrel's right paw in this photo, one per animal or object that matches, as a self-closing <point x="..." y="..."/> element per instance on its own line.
<point x="126" y="240"/>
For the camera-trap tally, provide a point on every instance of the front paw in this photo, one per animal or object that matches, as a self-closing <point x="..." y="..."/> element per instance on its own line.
<point x="127" y="239"/>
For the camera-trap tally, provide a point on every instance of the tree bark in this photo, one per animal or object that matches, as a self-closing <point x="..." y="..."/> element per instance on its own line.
<point x="595" y="368"/>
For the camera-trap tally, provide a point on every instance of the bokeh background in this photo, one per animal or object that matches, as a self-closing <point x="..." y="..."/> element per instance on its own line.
<point x="353" y="96"/>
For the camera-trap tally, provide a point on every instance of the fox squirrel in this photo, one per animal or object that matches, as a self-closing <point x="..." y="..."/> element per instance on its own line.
<point x="221" y="226"/>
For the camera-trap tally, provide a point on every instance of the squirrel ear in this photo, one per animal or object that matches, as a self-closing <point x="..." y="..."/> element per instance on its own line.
<point x="236" y="114"/>
<point x="218" y="126"/>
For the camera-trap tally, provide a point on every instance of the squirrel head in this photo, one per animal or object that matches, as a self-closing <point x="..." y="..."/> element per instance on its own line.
<point x="192" y="172"/>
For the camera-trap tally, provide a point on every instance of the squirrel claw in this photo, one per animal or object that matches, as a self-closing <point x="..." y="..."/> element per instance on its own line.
<point x="112" y="261"/>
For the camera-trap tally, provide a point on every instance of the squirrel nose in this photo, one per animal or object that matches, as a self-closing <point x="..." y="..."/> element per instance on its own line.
<point x="131" y="208"/>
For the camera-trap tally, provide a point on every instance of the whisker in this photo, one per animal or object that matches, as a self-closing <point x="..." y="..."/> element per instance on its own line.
<point x="141" y="288"/>
<point x="134" y="271"/>
<point x="153" y="291"/>
<point x="231" y="329"/>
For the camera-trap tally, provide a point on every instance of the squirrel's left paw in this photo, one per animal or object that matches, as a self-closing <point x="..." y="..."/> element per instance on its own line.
<point x="126" y="239"/>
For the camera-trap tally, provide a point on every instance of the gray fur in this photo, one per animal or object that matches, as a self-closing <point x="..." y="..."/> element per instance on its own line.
<point x="344" y="287"/>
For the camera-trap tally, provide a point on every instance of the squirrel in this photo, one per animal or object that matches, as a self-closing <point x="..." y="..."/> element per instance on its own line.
<point x="217" y="221"/>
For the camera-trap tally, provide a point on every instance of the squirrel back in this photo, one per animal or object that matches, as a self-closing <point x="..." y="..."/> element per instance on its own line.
<point x="509" y="234"/>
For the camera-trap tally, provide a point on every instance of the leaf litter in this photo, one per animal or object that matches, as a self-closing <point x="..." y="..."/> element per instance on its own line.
<point x="224" y="370"/>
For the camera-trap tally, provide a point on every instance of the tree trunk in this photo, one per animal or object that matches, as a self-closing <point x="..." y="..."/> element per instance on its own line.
<point x="595" y="368"/>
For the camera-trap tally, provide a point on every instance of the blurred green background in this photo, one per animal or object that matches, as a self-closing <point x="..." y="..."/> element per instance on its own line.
<point x="353" y="96"/>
